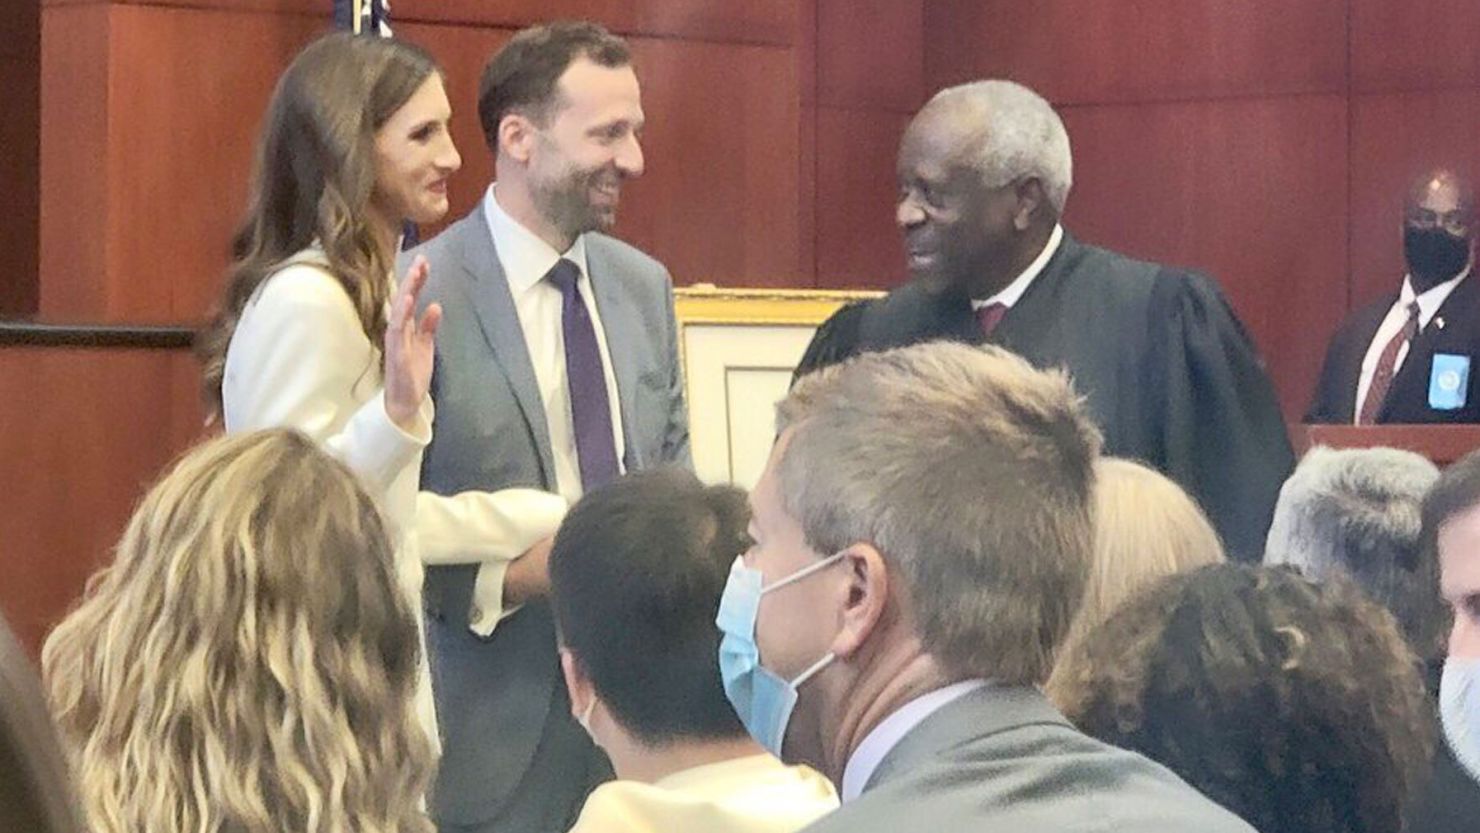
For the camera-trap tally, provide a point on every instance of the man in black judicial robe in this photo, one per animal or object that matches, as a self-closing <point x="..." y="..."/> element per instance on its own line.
<point x="1169" y="373"/>
<point x="1427" y="378"/>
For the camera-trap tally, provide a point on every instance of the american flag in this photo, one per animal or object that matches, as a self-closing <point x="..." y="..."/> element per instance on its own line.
<point x="363" y="17"/>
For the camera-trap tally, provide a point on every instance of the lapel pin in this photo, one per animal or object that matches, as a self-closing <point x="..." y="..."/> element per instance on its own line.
<point x="1439" y="322"/>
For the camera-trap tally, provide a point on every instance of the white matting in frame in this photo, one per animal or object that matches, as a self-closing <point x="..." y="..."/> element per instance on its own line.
<point x="739" y="348"/>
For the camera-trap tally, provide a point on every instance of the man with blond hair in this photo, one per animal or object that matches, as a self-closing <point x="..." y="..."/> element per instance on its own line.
<point x="922" y="538"/>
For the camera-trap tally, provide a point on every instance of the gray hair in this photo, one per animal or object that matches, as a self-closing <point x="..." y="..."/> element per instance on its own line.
<point x="1359" y="513"/>
<point x="1020" y="136"/>
<point x="971" y="473"/>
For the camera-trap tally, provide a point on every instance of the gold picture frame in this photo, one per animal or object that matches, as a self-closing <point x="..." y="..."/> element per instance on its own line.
<point x="738" y="349"/>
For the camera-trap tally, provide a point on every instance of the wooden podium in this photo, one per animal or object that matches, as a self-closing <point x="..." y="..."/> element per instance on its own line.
<point x="1443" y="444"/>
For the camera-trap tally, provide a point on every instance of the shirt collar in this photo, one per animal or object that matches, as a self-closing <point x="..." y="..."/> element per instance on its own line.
<point x="526" y="257"/>
<point x="1433" y="298"/>
<point x="885" y="736"/>
<point x="1014" y="291"/>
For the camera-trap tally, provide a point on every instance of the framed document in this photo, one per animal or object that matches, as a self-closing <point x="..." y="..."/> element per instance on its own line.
<point x="739" y="348"/>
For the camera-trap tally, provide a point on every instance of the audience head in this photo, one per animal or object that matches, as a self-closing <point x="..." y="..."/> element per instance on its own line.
<point x="1295" y="704"/>
<point x="984" y="173"/>
<point x="1451" y="516"/>
<point x="636" y="574"/>
<point x="1438" y="227"/>
<point x="1358" y="513"/>
<point x="1145" y="528"/>
<point x="354" y="143"/>
<point x="562" y="112"/>
<point x="249" y="660"/>
<point x="923" y="518"/>
<point x="35" y="791"/>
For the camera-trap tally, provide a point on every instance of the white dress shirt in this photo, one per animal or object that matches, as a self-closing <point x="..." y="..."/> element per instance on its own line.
<point x="892" y="729"/>
<point x="1428" y="304"/>
<point x="1011" y="293"/>
<point x="754" y="794"/>
<point x="526" y="260"/>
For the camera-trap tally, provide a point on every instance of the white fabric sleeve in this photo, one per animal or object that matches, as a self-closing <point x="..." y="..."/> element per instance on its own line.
<point x="490" y="529"/>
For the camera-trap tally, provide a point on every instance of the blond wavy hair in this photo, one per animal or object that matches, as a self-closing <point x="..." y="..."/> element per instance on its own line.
<point x="248" y="661"/>
<point x="1146" y="528"/>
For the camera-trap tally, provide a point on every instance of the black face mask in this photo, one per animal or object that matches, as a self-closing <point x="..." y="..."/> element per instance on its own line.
<point x="1434" y="254"/>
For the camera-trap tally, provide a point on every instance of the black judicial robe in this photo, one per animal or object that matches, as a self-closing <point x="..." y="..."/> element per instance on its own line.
<point x="1167" y="370"/>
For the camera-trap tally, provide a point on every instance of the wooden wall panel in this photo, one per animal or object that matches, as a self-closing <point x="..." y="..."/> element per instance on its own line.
<point x="871" y="54"/>
<point x="172" y="108"/>
<point x="1414" y="44"/>
<point x="20" y="181"/>
<point x="1251" y="191"/>
<point x="1396" y="137"/>
<point x="82" y="432"/>
<point x="1136" y="50"/>
<point x="74" y="162"/>
<point x="185" y="110"/>
<point x="755" y="21"/>
<point x="773" y="22"/>
<point x="20" y="164"/>
<point x="870" y="80"/>
<point x="720" y="195"/>
<point x="858" y="244"/>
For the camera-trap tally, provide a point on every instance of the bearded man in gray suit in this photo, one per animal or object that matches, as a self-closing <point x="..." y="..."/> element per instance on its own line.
<point x="921" y="541"/>
<point x="557" y="368"/>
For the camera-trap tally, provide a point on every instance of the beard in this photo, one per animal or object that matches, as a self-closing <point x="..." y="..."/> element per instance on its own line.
<point x="566" y="200"/>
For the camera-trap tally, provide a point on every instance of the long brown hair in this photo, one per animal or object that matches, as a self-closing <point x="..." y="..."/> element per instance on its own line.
<point x="314" y="179"/>
<point x="249" y="660"/>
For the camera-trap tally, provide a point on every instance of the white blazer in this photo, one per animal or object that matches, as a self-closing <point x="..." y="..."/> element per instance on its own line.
<point x="299" y="357"/>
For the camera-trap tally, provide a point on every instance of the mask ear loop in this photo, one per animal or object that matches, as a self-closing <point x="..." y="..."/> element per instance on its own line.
<point x="813" y="669"/>
<point x="802" y="573"/>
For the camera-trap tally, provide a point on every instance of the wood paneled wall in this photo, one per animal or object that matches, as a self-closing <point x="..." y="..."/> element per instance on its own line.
<point x="1266" y="142"/>
<point x="82" y="432"/>
<point x="20" y="141"/>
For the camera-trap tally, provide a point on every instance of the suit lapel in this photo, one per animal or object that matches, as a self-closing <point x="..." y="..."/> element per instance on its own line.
<point x="1412" y="381"/>
<point x="494" y="306"/>
<point x="618" y="321"/>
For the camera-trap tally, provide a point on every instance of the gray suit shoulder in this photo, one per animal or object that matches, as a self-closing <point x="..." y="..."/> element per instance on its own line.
<point x="628" y="259"/>
<point x="1033" y="779"/>
<point x="444" y="258"/>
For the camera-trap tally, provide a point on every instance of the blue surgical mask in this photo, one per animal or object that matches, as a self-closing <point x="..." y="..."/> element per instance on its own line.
<point x="763" y="700"/>
<point x="1459" y="709"/>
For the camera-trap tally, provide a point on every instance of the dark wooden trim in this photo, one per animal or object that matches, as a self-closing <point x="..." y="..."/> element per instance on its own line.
<point x="29" y="334"/>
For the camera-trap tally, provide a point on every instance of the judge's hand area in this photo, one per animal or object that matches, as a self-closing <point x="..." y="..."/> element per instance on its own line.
<point x="410" y="345"/>
<point x="528" y="576"/>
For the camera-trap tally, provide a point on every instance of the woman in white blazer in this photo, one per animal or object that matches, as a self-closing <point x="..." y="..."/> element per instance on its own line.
<point x="313" y="332"/>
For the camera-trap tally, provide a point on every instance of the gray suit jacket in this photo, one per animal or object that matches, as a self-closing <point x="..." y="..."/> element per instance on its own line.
<point x="505" y="721"/>
<point x="1003" y="759"/>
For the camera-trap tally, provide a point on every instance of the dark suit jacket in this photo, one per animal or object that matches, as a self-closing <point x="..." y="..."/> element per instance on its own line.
<point x="1335" y="400"/>
<point x="512" y="756"/>
<point x="1003" y="759"/>
<point x="1166" y="368"/>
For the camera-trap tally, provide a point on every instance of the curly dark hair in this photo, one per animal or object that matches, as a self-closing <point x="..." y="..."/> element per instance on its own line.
<point x="1297" y="705"/>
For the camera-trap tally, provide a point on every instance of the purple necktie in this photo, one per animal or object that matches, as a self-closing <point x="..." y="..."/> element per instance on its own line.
<point x="590" y="409"/>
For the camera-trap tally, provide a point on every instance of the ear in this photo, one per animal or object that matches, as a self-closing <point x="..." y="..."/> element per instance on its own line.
<point x="516" y="137"/>
<point x="867" y="597"/>
<point x="1030" y="198"/>
<point x="576" y="683"/>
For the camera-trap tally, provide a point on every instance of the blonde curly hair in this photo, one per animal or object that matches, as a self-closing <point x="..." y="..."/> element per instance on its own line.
<point x="248" y="661"/>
